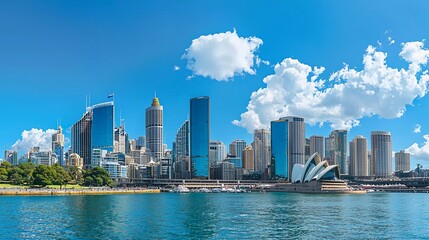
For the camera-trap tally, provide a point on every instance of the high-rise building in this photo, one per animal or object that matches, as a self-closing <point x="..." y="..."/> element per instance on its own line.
<point x="337" y="149"/>
<point x="262" y="149"/>
<point x="287" y="145"/>
<point x="236" y="148"/>
<point x="75" y="160"/>
<point x="200" y="136"/>
<point x="154" y="130"/>
<point x="81" y="138"/>
<point x="307" y="149"/>
<point x="381" y="153"/>
<point x="248" y="159"/>
<point x="94" y="131"/>
<point x="140" y="142"/>
<point x="122" y="142"/>
<point x="217" y="152"/>
<point x="316" y="145"/>
<point x="11" y="156"/>
<point x="358" y="157"/>
<point x="58" y="145"/>
<point x="402" y="161"/>
<point x="181" y="152"/>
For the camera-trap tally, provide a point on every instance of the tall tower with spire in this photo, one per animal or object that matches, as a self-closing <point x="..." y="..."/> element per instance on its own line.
<point x="154" y="129"/>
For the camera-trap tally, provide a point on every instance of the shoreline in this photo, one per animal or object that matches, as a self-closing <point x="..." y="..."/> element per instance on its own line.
<point x="62" y="192"/>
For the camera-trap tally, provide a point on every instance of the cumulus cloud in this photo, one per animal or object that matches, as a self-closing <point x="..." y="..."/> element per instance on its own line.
<point x="417" y="128"/>
<point x="176" y="68"/>
<point x="34" y="138"/>
<point x="420" y="153"/>
<point x="221" y="56"/>
<point x="347" y="96"/>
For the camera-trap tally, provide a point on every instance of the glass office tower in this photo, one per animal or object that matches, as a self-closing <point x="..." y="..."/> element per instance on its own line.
<point x="200" y="136"/>
<point x="81" y="138"/>
<point x="279" y="153"/>
<point x="102" y="128"/>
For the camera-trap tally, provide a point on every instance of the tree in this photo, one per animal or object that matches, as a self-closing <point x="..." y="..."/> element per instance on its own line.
<point x="27" y="172"/>
<point x="75" y="174"/>
<point x="43" y="175"/>
<point x="62" y="177"/>
<point x="97" y="176"/>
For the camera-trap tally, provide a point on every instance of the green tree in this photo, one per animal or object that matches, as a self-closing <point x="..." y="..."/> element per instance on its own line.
<point x="75" y="174"/>
<point x="97" y="176"/>
<point x="43" y="175"/>
<point x="62" y="177"/>
<point x="27" y="172"/>
<point x="3" y="174"/>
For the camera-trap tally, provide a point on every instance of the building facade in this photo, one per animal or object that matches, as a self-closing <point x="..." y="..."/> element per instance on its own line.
<point x="337" y="150"/>
<point x="200" y="136"/>
<point x="287" y="145"/>
<point x="358" y="157"/>
<point x="81" y="138"/>
<point x="381" y="153"/>
<point x="248" y="159"/>
<point x="402" y="161"/>
<point x="262" y="149"/>
<point x="154" y="130"/>
<point x="58" y="145"/>
<point x="317" y="145"/>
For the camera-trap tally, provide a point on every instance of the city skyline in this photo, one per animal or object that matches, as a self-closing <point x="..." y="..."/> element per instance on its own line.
<point x="130" y="77"/>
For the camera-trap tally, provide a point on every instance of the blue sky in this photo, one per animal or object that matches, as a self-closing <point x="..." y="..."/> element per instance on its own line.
<point x="54" y="53"/>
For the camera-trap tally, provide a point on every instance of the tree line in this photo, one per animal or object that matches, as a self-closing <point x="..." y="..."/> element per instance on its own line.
<point x="42" y="175"/>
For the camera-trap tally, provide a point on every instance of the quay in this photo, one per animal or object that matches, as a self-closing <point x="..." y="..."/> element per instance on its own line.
<point x="89" y="191"/>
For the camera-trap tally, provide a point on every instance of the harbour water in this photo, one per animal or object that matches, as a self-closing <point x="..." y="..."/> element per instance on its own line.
<point x="216" y="216"/>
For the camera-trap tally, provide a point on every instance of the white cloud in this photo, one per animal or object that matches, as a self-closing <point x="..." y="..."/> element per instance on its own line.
<point x="34" y="138"/>
<point x="417" y="128"/>
<point x="176" y="68"/>
<point x="415" y="55"/>
<point x="221" y="56"/>
<point x="348" y="96"/>
<point x="420" y="153"/>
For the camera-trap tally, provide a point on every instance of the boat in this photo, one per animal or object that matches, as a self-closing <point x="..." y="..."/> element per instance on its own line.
<point x="181" y="189"/>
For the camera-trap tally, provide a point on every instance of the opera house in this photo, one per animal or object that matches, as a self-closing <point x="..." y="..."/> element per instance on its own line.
<point x="316" y="176"/>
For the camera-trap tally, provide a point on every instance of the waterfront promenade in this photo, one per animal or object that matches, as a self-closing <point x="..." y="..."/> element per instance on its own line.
<point x="86" y="191"/>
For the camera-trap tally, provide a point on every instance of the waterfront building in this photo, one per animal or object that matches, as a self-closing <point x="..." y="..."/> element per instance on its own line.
<point x="287" y="145"/>
<point x="217" y="152"/>
<point x="307" y="148"/>
<point x="43" y="158"/>
<point x="262" y="149"/>
<point x="154" y="130"/>
<point x="248" y="158"/>
<point x="122" y="142"/>
<point x="236" y="148"/>
<point x="58" y="145"/>
<point x="200" y="136"/>
<point x="402" y="161"/>
<point x="81" y="138"/>
<point x="317" y="146"/>
<point x="181" y="152"/>
<point x="97" y="157"/>
<point x="238" y="163"/>
<point x="381" y="153"/>
<point x="358" y="157"/>
<point x="75" y="160"/>
<point x="337" y="149"/>
<point x="11" y="156"/>
<point x="102" y="126"/>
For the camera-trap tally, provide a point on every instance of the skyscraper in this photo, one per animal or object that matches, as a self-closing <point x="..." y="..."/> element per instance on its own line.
<point x="248" y="158"/>
<point x="337" y="149"/>
<point x="81" y="138"/>
<point x="11" y="156"/>
<point x="236" y="147"/>
<point x="402" y="161"/>
<point x="316" y="145"/>
<point x="217" y="152"/>
<point x="102" y="127"/>
<point x="200" y="136"/>
<point x="287" y="145"/>
<point x="181" y="152"/>
<point x="93" y="131"/>
<point x="154" y="130"/>
<point x="58" y="145"/>
<point x="262" y="149"/>
<point x="358" y="157"/>
<point x="381" y="153"/>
